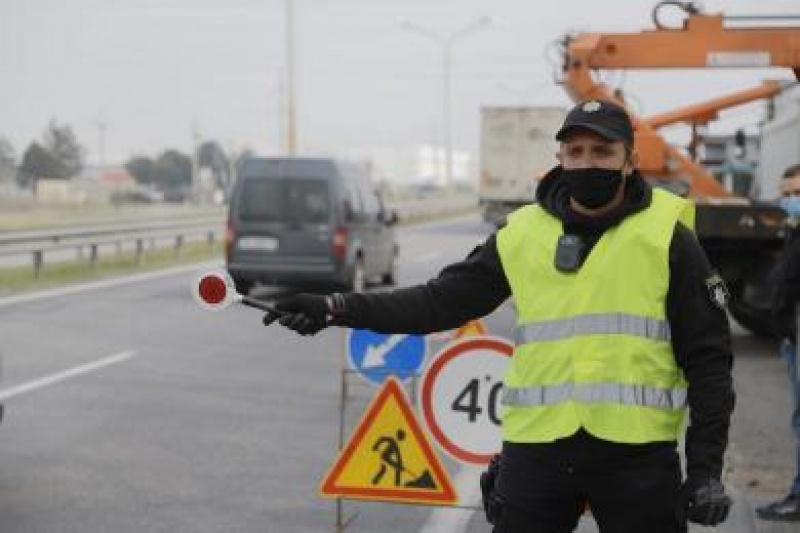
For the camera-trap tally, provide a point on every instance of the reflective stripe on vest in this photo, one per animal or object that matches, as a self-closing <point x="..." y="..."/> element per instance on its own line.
<point x="594" y="324"/>
<point x="622" y="393"/>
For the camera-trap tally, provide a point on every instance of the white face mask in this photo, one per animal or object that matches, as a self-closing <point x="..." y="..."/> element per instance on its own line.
<point x="791" y="204"/>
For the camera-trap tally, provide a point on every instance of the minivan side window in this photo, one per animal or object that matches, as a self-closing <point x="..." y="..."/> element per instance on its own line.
<point x="384" y="211"/>
<point x="372" y="204"/>
<point x="354" y="200"/>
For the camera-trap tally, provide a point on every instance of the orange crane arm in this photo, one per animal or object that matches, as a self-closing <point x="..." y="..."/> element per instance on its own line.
<point x="705" y="112"/>
<point x="704" y="41"/>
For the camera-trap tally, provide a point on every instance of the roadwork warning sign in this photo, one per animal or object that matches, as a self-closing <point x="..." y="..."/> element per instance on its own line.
<point x="389" y="458"/>
<point x="473" y="328"/>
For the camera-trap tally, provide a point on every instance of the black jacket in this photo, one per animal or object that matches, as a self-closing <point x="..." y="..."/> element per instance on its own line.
<point x="787" y="286"/>
<point x="477" y="285"/>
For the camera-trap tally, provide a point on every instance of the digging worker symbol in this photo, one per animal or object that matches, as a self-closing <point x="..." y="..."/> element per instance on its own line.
<point x="389" y="449"/>
<point x="392" y="458"/>
<point x="621" y="332"/>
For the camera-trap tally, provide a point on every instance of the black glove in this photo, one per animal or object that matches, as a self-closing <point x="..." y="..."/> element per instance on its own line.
<point x="307" y="314"/>
<point x="492" y="503"/>
<point x="705" y="502"/>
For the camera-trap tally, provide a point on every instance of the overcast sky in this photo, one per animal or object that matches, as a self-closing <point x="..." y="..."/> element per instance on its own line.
<point x="151" y="70"/>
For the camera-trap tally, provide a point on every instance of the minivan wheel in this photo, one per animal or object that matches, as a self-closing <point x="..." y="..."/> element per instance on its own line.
<point x="243" y="286"/>
<point x="357" y="277"/>
<point x="390" y="277"/>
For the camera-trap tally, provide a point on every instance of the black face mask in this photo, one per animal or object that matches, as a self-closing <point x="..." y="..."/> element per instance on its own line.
<point x="592" y="187"/>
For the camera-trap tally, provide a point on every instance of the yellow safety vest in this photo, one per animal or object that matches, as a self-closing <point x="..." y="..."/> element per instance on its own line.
<point x="593" y="347"/>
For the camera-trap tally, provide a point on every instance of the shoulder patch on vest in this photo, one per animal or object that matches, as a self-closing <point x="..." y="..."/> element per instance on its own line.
<point x="718" y="291"/>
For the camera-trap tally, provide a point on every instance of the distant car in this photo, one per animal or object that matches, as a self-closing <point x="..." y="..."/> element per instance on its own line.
<point x="307" y="222"/>
<point x="424" y="190"/>
<point x="176" y="194"/>
<point x="136" y="196"/>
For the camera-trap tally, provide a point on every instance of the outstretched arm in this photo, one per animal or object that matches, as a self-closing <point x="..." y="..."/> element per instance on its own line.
<point x="468" y="289"/>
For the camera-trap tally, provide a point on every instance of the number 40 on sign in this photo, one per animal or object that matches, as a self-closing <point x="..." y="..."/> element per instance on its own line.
<point x="460" y="397"/>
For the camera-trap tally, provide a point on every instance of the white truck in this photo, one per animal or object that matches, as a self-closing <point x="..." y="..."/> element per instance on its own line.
<point x="518" y="147"/>
<point x="780" y="142"/>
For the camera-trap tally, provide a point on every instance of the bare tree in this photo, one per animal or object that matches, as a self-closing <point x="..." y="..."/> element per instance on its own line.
<point x="60" y="141"/>
<point x="212" y="156"/>
<point x="38" y="163"/>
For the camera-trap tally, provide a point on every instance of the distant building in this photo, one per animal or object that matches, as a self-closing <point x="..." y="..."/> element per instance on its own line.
<point x="109" y="176"/>
<point x="732" y="160"/>
<point x="431" y="165"/>
<point x="718" y="149"/>
<point x="99" y="183"/>
<point x="411" y="165"/>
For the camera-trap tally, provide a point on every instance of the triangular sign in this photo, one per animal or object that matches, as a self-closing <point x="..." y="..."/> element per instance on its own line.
<point x="473" y="328"/>
<point x="389" y="458"/>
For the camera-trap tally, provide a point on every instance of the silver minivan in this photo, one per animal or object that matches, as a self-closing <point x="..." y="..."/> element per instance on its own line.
<point x="308" y="222"/>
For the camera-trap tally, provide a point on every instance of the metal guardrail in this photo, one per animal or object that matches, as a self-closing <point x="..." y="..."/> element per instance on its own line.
<point x="40" y="242"/>
<point x="55" y="236"/>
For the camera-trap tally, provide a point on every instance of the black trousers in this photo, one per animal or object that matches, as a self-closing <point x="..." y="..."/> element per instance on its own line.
<point x="628" y="488"/>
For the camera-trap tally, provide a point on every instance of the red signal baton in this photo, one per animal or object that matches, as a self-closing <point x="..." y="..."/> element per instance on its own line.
<point x="216" y="291"/>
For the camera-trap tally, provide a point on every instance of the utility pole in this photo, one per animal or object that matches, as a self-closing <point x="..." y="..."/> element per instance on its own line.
<point x="101" y="134"/>
<point x="196" y="163"/>
<point x="446" y="43"/>
<point x="282" y="140"/>
<point x="291" y="127"/>
<point x="232" y="164"/>
<point x="446" y="126"/>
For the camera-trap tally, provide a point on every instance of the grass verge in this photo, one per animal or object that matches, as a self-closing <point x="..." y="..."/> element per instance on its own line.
<point x="19" y="279"/>
<point x="37" y="217"/>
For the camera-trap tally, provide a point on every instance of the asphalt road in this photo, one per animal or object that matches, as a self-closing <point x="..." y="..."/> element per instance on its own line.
<point x="131" y="409"/>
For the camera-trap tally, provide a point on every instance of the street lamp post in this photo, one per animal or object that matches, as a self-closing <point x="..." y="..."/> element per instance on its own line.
<point x="196" y="189"/>
<point x="102" y="126"/>
<point x="291" y="126"/>
<point x="446" y="42"/>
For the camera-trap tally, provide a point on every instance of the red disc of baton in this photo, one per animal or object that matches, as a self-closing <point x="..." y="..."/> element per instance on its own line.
<point x="212" y="289"/>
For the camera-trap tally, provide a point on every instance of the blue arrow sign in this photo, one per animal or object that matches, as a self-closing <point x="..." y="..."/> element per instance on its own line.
<point x="377" y="356"/>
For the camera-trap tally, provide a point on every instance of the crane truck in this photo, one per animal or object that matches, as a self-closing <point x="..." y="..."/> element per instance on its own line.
<point x="742" y="237"/>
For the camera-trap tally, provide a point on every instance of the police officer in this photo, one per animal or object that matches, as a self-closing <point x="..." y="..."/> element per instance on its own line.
<point x="621" y="327"/>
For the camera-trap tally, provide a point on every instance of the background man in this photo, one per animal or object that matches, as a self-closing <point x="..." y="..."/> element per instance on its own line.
<point x="787" y="296"/>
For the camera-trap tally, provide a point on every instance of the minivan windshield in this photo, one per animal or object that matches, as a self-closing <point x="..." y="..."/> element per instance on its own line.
<point x="284" y="200"/>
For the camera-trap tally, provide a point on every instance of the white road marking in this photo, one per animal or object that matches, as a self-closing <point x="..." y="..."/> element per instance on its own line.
<point x="444" y="520"/>
<point x="425" y="258"/>
<point x="31" y="386"/>
<point x="104" y="284"/>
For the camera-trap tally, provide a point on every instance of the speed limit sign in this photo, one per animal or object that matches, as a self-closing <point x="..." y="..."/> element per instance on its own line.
<point x="460" y="397"/>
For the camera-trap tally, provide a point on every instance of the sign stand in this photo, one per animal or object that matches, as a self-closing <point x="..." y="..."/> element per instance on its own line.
<point x="343" y="519"/>
<point x="343" y="523"/>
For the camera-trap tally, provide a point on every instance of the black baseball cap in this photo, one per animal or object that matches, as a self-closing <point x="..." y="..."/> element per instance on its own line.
<point x="607" y="119"/>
